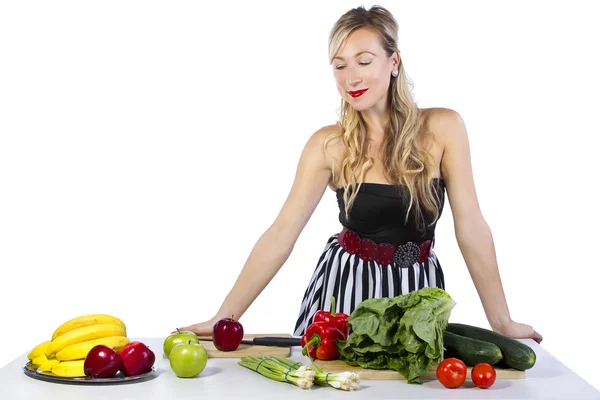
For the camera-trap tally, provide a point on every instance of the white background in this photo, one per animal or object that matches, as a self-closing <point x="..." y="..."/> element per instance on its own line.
<point x="145" y="146"/>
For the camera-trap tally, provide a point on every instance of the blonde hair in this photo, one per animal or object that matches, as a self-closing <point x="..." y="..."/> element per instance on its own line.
<point x="405" y="159"/>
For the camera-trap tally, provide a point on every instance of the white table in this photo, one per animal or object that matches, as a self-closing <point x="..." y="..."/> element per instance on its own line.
<point x="224" y="378"/>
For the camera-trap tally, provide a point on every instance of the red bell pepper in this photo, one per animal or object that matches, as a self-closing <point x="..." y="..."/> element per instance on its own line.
<point x="339" y="320"/>
<point x="319" y="341"/>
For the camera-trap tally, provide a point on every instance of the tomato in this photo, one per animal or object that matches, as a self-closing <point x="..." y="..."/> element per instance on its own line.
<point x="451" y="372"/>
<point x="483" y="375"/>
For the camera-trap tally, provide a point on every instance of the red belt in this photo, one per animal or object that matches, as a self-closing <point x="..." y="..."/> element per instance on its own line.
<point x="384" y="253"/>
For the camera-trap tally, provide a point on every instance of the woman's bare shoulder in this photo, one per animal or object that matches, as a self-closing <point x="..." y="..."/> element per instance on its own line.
<point x="328" y="138"/>
<point x="440" y="125"/>
<point x="439" y="121"/>
<point x="327" y="142"/>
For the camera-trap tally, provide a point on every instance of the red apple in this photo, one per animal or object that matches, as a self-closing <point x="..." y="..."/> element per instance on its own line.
<point x="101" y="362"/>
<point x="137" y="359"/>
<point x="227" y="334"/>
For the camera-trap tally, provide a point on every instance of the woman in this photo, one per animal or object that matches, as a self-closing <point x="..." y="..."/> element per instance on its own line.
<point x="390" y="164"/>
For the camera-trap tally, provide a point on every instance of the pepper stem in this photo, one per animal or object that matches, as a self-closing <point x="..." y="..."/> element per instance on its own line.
<point x="315" y="340"/>
<point x="332" y="306"/>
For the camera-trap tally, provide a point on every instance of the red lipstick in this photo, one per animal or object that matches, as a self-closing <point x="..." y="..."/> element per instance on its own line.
<point x="357" y="93"/>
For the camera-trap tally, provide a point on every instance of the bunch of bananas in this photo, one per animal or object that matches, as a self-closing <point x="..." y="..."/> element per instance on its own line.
<point x="64" y="355"/>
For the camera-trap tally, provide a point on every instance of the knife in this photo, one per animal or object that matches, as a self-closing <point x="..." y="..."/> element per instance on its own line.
<point x="267" y="341"/>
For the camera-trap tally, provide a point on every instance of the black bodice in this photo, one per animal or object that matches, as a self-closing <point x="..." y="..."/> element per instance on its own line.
<point x="379" y="213"/>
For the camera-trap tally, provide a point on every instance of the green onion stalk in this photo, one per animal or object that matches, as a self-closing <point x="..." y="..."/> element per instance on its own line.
<point x="339" y="380"/>
<point x="269" y="367"/>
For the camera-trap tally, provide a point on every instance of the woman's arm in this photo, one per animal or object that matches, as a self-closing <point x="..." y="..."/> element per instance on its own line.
<point x="473" y="234"/>
<point x="276" y="244"/>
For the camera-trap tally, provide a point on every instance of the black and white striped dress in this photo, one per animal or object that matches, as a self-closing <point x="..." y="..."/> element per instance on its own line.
<point x="377" y="214"/>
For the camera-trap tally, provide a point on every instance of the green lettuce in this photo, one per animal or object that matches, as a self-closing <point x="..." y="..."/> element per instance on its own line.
<point x="403" y="333"/>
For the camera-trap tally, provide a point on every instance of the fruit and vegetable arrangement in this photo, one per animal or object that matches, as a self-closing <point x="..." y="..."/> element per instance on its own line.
<point x="91" y="346"/>
<point x="188" y="357"/>
<point x="319" y="342"/>
<point x="410" y="334"/>
<point x="482" y="349"/>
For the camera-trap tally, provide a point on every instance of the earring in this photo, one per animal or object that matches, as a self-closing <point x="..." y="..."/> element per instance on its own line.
<point x="395" y="73"/>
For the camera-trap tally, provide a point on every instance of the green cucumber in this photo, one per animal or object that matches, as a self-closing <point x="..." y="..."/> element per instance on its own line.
<point x="515" y="354"/>
<point x="471" y="351"/>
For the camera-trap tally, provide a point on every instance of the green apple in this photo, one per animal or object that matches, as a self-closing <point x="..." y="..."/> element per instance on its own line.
<point x="178" y="338"/>
<point x="188" y="360"/>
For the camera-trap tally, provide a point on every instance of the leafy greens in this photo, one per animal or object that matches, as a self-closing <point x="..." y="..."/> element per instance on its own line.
<point x="403" y="333"/>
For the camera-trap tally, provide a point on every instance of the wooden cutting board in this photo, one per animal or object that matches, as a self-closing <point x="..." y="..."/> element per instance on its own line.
<point x="386" y="374"/>
<point x="246" y="350"/>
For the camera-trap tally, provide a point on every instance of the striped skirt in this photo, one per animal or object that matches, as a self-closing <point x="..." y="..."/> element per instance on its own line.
<point x="352" y="280"/>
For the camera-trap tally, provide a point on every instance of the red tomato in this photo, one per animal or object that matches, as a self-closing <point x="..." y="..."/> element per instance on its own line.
<point x="451" y="372"/>
<point x="483" y="375"/>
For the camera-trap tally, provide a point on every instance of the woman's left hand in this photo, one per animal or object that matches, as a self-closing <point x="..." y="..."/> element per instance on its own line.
<point x="523" y="331"/>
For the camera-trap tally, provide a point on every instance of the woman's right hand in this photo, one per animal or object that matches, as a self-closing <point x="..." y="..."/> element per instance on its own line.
<point x="200" y="329"/>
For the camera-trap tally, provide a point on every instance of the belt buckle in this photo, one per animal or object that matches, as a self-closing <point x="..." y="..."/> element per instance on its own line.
<point x="407" y="254"/>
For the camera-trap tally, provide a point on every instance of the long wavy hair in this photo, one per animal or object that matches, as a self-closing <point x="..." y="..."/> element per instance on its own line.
<point x="405" y="159"/>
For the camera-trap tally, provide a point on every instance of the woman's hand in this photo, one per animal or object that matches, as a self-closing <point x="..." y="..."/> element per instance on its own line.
<point x="517" y="330"/>
<point x="200" y="329"/>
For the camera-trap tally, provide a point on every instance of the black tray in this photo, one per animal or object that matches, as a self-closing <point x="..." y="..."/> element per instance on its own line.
<point x="118" y="378"/>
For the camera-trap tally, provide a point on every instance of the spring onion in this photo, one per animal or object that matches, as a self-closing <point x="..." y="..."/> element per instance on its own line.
<point x="267" y="366"/>
<point x="284" y="369"/>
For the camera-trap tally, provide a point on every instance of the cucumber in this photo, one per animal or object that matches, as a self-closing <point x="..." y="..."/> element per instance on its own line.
<point x="515" y="354"/>
<point x="471" y="351"/>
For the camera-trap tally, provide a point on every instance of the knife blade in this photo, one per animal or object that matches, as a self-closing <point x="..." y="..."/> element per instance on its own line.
<point x="267" y="341"/>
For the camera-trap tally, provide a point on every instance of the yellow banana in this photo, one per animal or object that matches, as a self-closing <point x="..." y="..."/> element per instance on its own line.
<point x="83" y="335"/>
<point x="42" y="363"/>
<point x="38" y="350"/>
<point x="69" y="369"/>
<point x="86" y="320"/>
<point x="80" y="350"/>
<point x="39" y="360"/>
